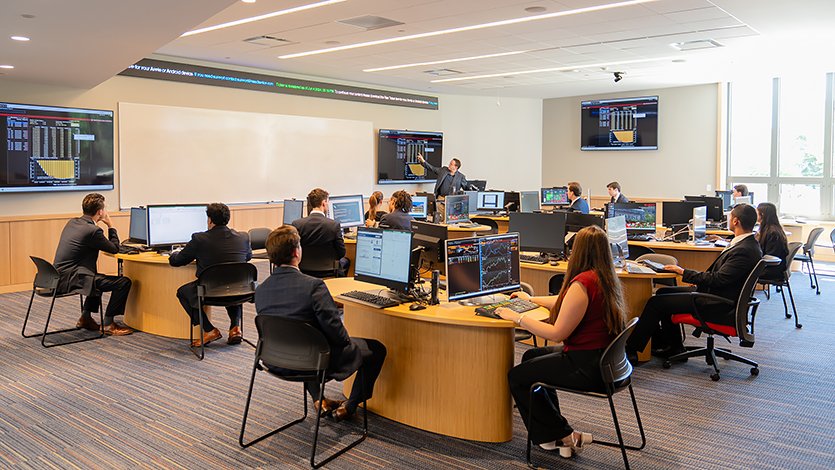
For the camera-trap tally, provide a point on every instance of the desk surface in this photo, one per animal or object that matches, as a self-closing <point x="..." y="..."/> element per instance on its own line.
<point x="677" y="246"/>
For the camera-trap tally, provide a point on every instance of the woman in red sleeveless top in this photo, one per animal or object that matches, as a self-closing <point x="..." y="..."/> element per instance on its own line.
<point x="586" y="316"/>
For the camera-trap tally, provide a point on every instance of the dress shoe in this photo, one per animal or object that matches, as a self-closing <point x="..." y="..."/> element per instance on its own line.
<point x="87" y="323"/>
<point x="341" y="413"/>
<point x="114" y="330"/>
<point x="235" y="335"/>
<point x="328" y="406"/>
<point x="570" y="445"/>
<point x="208" y="337"/>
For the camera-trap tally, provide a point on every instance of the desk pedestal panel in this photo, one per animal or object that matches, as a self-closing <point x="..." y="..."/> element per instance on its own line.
<point x="443" y="378"/>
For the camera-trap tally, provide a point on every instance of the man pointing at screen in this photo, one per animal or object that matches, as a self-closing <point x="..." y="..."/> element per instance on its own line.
<point x="450" y="180"/>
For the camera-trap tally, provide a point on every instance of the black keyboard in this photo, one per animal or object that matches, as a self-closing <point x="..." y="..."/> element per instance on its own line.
<point x="517" y="305"/>
<point x="128" y="250"/>
<point x="639" y="237"/>
<point x="657" y="267"/>
<point x="371" y="300"/>
<point x="535" y="259"/>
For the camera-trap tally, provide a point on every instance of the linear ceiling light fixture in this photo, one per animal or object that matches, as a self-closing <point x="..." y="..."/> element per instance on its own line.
<point x="262" y="17"/>
<point x="436" y="62"/>
<point x="554" y="69"/>
<point x="469" y="28"/>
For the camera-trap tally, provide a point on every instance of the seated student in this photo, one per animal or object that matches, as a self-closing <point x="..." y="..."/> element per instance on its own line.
<point x="372" y="215"/>
<point x="76" y="258"/>
<point x="772" y="238"/>
<point x="288" y="293"/>
<point x="740" y="190"/>
<point x="578" y="204"/>
<point x="615" y="194"/>
<point x="219" y="244"/>
<point x="586" y="316"/>
<point x="318" y="230"/>
<point x="398" y="218"/>
<point x="725" y="278"/>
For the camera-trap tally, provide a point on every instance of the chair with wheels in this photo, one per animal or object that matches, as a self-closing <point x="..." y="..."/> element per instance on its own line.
<point x="784" y="283"/>
<point x="224" y="285"/>
<point x="743" y="329"/>
<point x="636" y="251"/>
<point x="494" y="226"/>
<point x="297" y="346"/>
<point x="808" y="257"/>
<point x="319" y="261"/>
<point x="521" y="333"/>
<point x="617" y="376"/>
<point x="46" y="285"/>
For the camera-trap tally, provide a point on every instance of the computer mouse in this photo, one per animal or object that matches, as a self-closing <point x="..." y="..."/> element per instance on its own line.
<point x="416" y="307"/>
<point x="554" y="262"/>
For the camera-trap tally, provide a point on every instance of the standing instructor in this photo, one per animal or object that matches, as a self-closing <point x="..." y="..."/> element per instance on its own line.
<point x="450" y="180"/>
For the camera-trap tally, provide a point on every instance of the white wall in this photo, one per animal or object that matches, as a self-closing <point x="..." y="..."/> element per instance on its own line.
<point x="685" y="162"/>
<point x="485" y="137"/>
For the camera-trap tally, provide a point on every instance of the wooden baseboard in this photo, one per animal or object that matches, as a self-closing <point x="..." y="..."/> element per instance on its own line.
<point x="15" y="288"/>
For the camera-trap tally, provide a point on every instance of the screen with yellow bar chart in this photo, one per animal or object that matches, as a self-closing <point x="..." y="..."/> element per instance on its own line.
<point x="620" y="124"/>
<point x="51" y="148"/>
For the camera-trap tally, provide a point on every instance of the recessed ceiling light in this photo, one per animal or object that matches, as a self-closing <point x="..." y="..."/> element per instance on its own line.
<point x="261" y="17"/>
<point x="6" y="66"/>
<point x="332" y="43"/>
<point x="435" y="62"/>
<point x="535" y="9"/>
<point x="696" y="45"/>
<point x="248" y="1"/>
<point x="470" y="28"/>
<point x="20" y="38"/>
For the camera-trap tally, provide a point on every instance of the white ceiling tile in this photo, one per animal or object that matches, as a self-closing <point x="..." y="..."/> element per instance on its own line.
<point x="714" y="24"/>
<point x="669" y="6"/>
<point x="702" y="14"/>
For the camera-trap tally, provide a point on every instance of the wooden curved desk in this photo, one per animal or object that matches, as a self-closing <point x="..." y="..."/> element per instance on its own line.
<point x="454" y="231"/>
<point x="445" y="370"/>
<point x="152" y="304"/>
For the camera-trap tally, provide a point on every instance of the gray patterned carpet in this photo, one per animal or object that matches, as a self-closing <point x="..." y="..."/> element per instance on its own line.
<point x="142" y="401"/>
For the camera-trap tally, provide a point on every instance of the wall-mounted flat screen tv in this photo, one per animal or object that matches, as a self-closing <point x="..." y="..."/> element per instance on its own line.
<point x="49" y="148"/>
<point x="620" y="124"/>
<point x="397" y="156"/>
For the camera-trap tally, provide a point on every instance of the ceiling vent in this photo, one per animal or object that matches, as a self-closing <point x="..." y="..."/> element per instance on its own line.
<point x="697" y="45"/>
<point x="267" y="41"/>
<point x="442" y="72"/>
<point x="369" y="22"/>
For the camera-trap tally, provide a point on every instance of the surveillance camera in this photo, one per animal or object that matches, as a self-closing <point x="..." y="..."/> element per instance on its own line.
<point x="618" y="76"/>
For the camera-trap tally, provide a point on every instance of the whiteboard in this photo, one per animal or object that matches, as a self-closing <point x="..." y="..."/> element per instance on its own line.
<point x="174" y="155"/>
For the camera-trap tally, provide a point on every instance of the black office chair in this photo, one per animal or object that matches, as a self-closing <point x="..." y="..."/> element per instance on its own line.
<point x="224" y="285"/>
<point x="744" y="328"/>
<point x="494" y="226"/>
<point x="784" y="283"/>
<point x="555" y="284"/>
<point x="46" y="285"/>
<point x="636" y="251"/>
<point x="319" y="261"/>
<point x="808" y="257"/>
<point x="258" y="243"/>
<point x="617" y="376"/>
<point x="294" y="345"/>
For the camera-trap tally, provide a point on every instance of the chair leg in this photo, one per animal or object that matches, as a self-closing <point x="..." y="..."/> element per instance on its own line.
<point x="202" y="336"/>
<point x="46" y="331"/>
<point x="275" y="431"/>
<point x="794" y="309"/>
<point x="785" y="305"/>
<point x="241" y="322"/>
<point x="815" y="274"/>
<point x="351" y="445"/>
<point x="767" y="290"/>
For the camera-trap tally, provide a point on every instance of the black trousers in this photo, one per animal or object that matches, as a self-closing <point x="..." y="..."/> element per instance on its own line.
<point x="187" y="295"/>
<point x="550" y="364"/>
<point x="373" y="355"/>
<point x="118" y="286"/>
<point x="656" y="319"/>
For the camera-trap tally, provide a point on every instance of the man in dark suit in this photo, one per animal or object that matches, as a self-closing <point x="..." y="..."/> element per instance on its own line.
<point x="289" y="293"/>
<point x="615" y="194"/>
<point x="317" y="230"/>
<point x="76" y="258"/>
<point x="578" y="204"/>
<point x="450" y="180"/>
<point x="724" y="278"/>
<point x="219" y="244"/>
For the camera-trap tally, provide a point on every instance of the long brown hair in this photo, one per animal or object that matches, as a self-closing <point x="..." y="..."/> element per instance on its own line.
<point x="591" y="252"/>
<point x="770" y="223"/>
<point x="373" y="201"/>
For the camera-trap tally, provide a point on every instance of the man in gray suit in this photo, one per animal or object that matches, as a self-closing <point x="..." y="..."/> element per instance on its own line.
<point x="289" y="293"/>
<point x="450" y="180"/>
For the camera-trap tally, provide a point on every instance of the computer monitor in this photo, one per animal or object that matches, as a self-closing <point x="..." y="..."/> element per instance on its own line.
<point x="384" y="257"/>
<point x="699" y="223"/>
<point x="457" y="209"/>
<point x="174" y="225"/>
<point x="554" y="196"/>
<point x="419" y="206"/>
<point x="678" y="212"/>
<point x="576" y="221"/>
<point x="529" y="201"/>
<point x="490" y="201"/>
<point x="430" y="239"/>
<point x="727" y="198"/>
<point x="715" y="206"/>
<point x="430" y="201"/>
<point x="744" y="200"/>
<point x="293" y="210"/>
<point x="616" y="230"/>
<point x="138" y="225"/>
<point x="349" y="211"/>
<point x="481" y="266"/>
<point x="478" y="185"/>
<point x="512" y="201"/>
<point x="539" y="231"/>
<point x="473" y="201"/>
<point x="640" y="216"/>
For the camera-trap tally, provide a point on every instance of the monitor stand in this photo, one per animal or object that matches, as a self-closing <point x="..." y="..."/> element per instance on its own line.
<point x="482" y="300"/>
